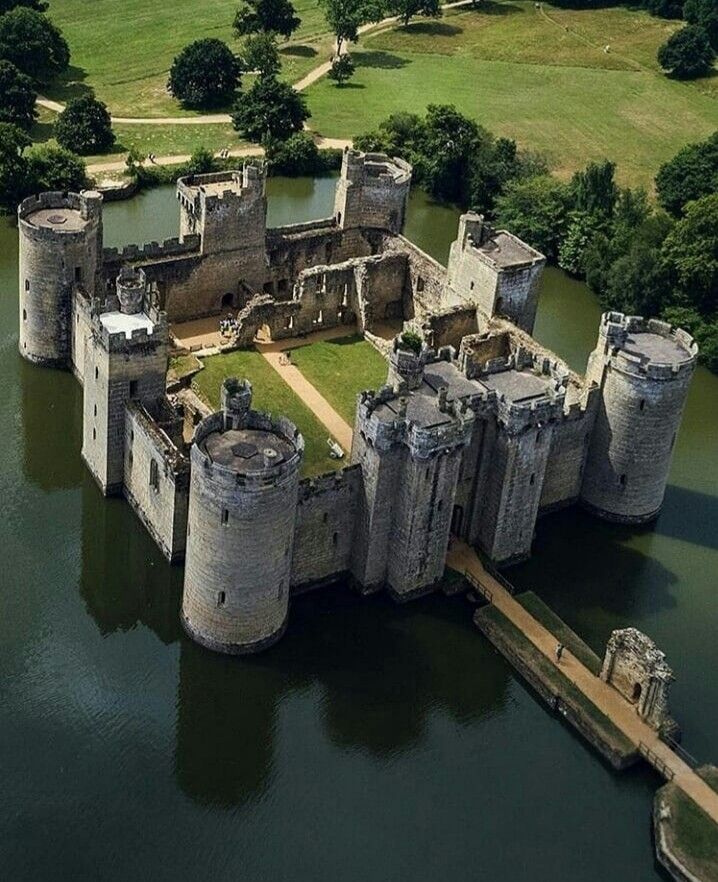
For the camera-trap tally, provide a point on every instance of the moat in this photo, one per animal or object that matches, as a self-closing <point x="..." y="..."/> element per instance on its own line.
<point x="376" y="741"/>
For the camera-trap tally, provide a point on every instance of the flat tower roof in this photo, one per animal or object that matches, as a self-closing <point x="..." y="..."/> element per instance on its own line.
<point x="656" y="348"/>
<point x="115" y="322"/>
<point x="247" y="450"/>
<point x="60" y="219"/>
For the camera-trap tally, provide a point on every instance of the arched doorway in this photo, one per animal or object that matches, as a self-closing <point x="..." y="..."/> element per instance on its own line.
<point x="636" y="696"/>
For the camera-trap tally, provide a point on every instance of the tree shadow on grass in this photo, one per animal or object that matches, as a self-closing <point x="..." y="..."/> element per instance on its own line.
<point x="489" y="8"/>
<point x="298" y="51"/>
<point x="432" y="29"/>
<point x="382" y="60"/>
<point x="70" y="85"/>
<point x="346" y="86"/>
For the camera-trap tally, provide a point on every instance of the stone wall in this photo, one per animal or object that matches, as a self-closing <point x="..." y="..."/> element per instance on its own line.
<point x="328" y="511"/>
<point x="159" y="493"/>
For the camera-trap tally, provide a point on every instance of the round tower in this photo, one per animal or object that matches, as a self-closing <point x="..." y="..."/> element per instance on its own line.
<point x="643" y="369"/>
<point x="60" y="249"/>
<point x="242" y="510"/>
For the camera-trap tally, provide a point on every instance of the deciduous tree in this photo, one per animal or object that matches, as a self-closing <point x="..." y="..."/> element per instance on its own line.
<point x="345" y="17"/>
<point x="272" y="16"/>
<point x="703" y="14"/>
<point x="205" y="74"/>
<point x="33" y="44"/>
<point x="342" y="69"/>
<point x="270" y="109"/>
<point x="691" y="174"/>
<point x="17" y="96"/>
<point x="260" y="53"/>
<point x="84" y="126"/>
<point x="687" y="54"/>
<point x="407" y="9"/>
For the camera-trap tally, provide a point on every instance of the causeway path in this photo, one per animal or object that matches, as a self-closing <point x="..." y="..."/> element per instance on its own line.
<point x="607" y="699"/>
<point x="463" y="558"/>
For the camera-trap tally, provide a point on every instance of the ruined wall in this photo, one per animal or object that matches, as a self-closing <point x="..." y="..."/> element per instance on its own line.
<point x="517" y="294"/>
<point x="328" y="510"/>
<point x="381" y="289"/>
<point x="425" y="281"/>
<point x="158" y="494"/>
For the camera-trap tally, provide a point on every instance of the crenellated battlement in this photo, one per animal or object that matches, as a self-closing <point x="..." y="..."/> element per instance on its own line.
<point x="329" y="482"/>
<point x="169" y="248"/>
<point x="633" y="345"/>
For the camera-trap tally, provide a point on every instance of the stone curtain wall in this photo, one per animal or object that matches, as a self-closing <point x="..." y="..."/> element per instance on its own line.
<point x="328" y="512"/>
<point x="161" y="504"/>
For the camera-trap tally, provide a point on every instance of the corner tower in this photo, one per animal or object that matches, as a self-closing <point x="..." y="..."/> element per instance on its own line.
<point x="242" y="512"/>
<point x="60" y="250"/>
<point x="643" y="369"/>
<point x="373" y="191"/>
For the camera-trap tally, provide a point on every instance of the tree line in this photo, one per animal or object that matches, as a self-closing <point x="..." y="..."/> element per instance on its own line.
<point x="638" y="257"/>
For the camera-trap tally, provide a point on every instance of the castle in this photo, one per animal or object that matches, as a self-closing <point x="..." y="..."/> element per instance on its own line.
<point x="476" y="433"/>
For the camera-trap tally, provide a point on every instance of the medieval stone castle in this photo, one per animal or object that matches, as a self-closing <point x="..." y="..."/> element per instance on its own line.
<point x="475" y="434"/>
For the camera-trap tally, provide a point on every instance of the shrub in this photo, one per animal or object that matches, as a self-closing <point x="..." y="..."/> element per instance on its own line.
<point x="201" y="162"/>
<point x="17" y="97"/>
<point x="204" y="74"/>
<point x="412" y="341"/>
<point x="298" y="155"/>
<point x="84" y="126"/>
<point x="687" y="54"/>
<point x="55" y="168"/>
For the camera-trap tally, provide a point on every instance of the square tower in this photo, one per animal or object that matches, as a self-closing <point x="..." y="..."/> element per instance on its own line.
<point x="125" y="359"/>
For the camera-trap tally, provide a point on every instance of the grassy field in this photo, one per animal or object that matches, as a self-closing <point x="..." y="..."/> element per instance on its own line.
<point x="692" y="836"/>
<point x="272" y="394"/>
<point x="124" y="51"/>
<point x="340" y="369"/>
<point x="525" y="76"/>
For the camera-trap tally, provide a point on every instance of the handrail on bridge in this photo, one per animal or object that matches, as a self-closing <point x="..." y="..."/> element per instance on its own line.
<point x="655" y="760"/>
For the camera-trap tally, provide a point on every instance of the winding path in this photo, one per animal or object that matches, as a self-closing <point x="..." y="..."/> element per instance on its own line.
<point x="214" y="118"/>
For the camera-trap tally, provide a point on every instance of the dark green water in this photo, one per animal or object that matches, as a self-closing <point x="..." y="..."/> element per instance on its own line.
<point x="375" y="742"/>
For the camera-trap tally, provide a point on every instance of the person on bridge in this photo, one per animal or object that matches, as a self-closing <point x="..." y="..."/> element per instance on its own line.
<point x="559" y="651"/>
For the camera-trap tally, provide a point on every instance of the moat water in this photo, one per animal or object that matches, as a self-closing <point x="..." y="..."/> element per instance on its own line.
<point x="375" y="742"/>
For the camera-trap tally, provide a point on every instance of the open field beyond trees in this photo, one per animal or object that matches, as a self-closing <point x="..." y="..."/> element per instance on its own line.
<point x="519" y="72"/>
<point x="540" y="76"/>
<point x="270" y="393"/>
<point x="340" y="369"/>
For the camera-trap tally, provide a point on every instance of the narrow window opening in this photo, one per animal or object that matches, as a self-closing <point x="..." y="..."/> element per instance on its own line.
<point x="440" y="505"/>
<point x="335" y="538"/>
<point x="78" y="274"/>
<point x="471" y="286"/>
<point x="94" y="434"/>
<point x="97" y="373"/>
<point x="538" y="437"/>
<point x="221" y="598"/>
<point x="134" y="384"/>
<point x="94" y="410"/>
<point x="130" y="458"/>
<point x="643" y="403"/>
<point x="154" y="475"/>
<point x="419" y="285"/>
<point x="225" y="517"/>
<point x="27" y="284"/>
<point x="532" y="479"/>
<point x="622" y="480"/>
<point x="24" y="315"/>
<point x="325" y="517"/>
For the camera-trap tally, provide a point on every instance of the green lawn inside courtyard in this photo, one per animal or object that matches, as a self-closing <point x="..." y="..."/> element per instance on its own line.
<point x="340" y="369"/>
<point x="270" y="393"/>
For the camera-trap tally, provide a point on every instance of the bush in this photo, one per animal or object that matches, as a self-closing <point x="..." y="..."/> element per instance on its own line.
<point x="201" y="162"/>
<point x="691" y="174"/>
<point x="55" y="168"/>
<point x="271" y="110"/>
<point x="665" y="8"/>
<point x="17" y="97"/>
<point x="33" y="44"/>
<point x="342" y="69"/>
<point x="687" y="54"/>
<point x="13" y="165"/>
<point x="7" y="5"/>
<point x="412" y="341"/>
<point x="298" y="155"/>
<point x="84" y="126"/>
<point x="204" y="74"/>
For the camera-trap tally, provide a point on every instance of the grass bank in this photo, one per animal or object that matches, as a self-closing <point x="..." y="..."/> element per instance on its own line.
<point x="340" y="369"/>
<point x="686" y="837"/>
<point x="270" y="393"/>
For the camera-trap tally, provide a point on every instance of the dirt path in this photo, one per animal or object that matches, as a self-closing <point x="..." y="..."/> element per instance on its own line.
<point x="212" y="119"/>
<point x="119" y="165"/>
<point x="340" y="430"/>
<point x="610" y="702"/>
